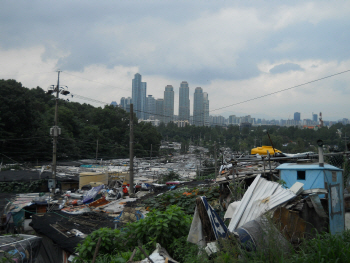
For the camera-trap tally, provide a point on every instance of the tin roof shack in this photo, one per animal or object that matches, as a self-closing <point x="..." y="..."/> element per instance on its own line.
<point x="314" y="176"/>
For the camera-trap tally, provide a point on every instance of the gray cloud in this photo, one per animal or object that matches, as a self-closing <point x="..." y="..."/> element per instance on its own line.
<point x="285" y="68"/>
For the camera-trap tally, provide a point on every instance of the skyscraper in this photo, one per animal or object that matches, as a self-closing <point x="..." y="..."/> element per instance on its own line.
<point x="184" y="102"/>
<point x="151" y="107"/>
<point x="297" y="116"/>
<point x="139" y="90"/>
<point x="205" y="109"/>
<point x="168" y="104"/>
<point x="125" y="103"/>
<point x="198" y="107"/>
<point x="159" y="109"/>
<point x="314" y="117"/>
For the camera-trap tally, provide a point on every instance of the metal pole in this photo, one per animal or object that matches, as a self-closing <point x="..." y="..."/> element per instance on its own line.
<point x="131" y="149"/>
<point x="96" y="149"/>
<point x="55" y="133"/>
<point x="151" y="153"/>
<point x="215" y="160"/>
<point x="200" y="164"/>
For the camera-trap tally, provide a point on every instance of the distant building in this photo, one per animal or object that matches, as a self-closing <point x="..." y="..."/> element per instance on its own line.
<point x="314" y="117"/>
<point x="139" y="90"/>
<point x="232" y="119"/>
<point x="297" y="116"/>
<point x="159" y="110"/>
<point x="184" y="101"/>
<point x="125" y="103"/>
<point x="150" y="107"/>
<point x="168" y="104"/>
<point x="182" y="123"/>
<point x="114" y="103"/>
<point x="206" y="109"/>
<point x="217" y="120"/>
<point x="198" y="107"/>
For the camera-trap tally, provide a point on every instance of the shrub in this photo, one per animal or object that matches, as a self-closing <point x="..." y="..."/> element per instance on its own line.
<point x="111" y="240"/>
<point x="160" y="227"/>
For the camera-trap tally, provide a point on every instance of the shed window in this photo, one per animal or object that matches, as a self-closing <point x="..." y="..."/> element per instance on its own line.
<point x="301" y="175"/>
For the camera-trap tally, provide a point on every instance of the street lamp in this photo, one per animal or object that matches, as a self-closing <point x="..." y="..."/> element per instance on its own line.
<point x="55" y="131"/>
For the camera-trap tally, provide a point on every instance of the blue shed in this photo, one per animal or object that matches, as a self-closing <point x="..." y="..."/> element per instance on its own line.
<point x="328" y="177"/>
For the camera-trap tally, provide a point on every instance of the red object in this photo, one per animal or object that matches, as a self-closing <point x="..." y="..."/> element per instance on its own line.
<point x="125" y="190"/>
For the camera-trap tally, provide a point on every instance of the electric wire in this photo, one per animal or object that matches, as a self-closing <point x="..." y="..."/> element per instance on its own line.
<point x="107" y="85"/>
<point x="234" y="104"/>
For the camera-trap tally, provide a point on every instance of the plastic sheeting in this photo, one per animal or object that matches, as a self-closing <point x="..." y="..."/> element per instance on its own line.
<point x="20" y="248"/>
<point x="89" y="197"/>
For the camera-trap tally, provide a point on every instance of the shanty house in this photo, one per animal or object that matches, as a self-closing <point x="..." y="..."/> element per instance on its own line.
<point x="314" y="176"/>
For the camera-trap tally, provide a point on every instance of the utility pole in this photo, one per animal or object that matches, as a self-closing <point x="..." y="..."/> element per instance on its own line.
<point x="215" y="159"/>
<point x="131" y="149"/>
<point x="55" y="132"/>
<point x="346" y="145"/>
<point x="151" y="153"/>
<point x="200" y="163"/>
<point x="96" y="149"/>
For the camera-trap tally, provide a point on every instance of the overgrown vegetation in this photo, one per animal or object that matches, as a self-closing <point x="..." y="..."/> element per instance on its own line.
<point x="171" y="176"/>
<point x="161" y="227"/>
<point x="170" y="228"/>
<point x="28" y="114"/>
<point x="183" y="197"/>
<point x="21" y="187"/>
<point x="287" y="139"/>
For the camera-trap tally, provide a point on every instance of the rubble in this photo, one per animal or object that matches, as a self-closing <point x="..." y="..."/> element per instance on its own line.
<point x="292" y="199"/>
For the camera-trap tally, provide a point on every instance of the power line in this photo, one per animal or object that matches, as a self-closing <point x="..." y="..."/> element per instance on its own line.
<point x="279" y="91"/>
<point x="93" y="81"/>
<point x="234" y="104"/>
<point x="29" y="73"/>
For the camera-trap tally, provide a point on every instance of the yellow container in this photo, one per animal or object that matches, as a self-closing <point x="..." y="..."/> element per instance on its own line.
<point x="263" y="150"/>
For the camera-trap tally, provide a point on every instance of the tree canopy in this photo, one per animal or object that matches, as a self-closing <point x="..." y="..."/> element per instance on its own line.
<point x="26" y="116"/>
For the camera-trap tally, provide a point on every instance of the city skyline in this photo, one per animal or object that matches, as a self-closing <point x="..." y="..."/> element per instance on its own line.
<point x="261" y="58"/>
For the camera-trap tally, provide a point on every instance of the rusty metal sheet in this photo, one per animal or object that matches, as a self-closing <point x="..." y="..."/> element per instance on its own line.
<point x="290" y="224"/>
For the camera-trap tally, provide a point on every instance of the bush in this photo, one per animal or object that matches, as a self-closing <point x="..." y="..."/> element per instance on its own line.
<point x="160" y="227"/>
<point x="111" y="240"/>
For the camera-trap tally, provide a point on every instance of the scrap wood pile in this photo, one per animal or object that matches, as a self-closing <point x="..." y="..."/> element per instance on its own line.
<point x="266" y="207"/>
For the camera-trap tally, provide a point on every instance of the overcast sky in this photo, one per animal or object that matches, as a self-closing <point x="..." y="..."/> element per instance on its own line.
<point x="235" y="50"/>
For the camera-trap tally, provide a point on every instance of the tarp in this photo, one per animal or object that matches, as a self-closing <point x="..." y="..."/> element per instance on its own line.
<point x="20" y="248"/>
<point x="196" y="235"/>
<point x="89" y="197"/>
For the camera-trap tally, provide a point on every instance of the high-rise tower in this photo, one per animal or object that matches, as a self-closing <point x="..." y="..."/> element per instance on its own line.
<point x="198" y="107"/>
<point x="205" y="109"/>
<point x="168" y="104"/>
<point x="150" y="107"/>
<point x="184" y="102"/>
<point x="160" y="109"/>
<point x="297" y="116"/>
<point x="139" y="90"/>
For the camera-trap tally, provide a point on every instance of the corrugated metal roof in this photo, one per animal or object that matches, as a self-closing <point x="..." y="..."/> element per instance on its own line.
<point x="261" y="196"/>
<point x="306" y="166"/>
